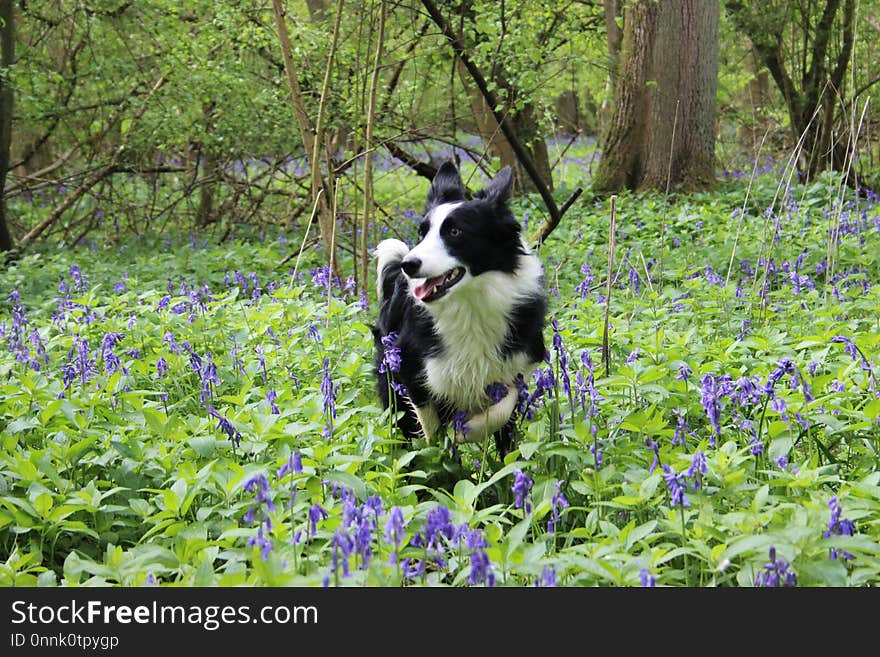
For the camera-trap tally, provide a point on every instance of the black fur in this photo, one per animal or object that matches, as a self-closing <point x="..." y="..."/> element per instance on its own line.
<point x="488" y="240"/>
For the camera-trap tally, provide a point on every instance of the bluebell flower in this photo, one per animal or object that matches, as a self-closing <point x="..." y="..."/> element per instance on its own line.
<point x="496" y="392"/>
<point x="112" y="363"/>
<point x="783" y="366"/>
<point x="646" y="579"/>
<point x="547" y="577"/>
<point x="341" y="548"/>
<point x="675" y="484"/>
<point x="838" y="526"/>
<point x="293" y="464"/>
<point x="522" y="485"/>
<point x="328" y="392"/>
<point x="698" y="467"/>
<point x="391" y="357"/>
<point x="316" y="513"/>
<point x="459" y="423"/>
<point x="262" y="491"/>
<point x="394" y="531"/>
<point x="709" y="400"/>
<point x="583" y="288"/>
<point x="161" y="367"/>
<point x="481" y="566"/>
<point x="684" y="372"/>
<point x="848" y="346"/>
<point x="681" y="426"/>
<point x="226" y="426"/>
<point x="262" y="360"/>
<point x="776" y="573"/>
<point x="271" y="396"/>
<point x="557" y="503"/>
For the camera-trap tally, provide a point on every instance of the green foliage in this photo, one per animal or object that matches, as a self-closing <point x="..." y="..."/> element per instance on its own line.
<point x="137" y="461"/>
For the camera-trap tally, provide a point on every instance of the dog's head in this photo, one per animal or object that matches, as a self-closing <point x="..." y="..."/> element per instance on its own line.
<point x="461" y="238"/>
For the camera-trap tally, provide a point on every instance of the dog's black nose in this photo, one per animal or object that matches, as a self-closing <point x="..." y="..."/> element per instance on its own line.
<point x="411" y="266"/>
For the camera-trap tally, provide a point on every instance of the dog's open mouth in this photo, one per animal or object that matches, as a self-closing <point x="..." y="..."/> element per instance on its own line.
<point x="434" y="288"/>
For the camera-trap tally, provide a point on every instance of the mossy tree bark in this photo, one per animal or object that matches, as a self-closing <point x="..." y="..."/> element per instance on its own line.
<point x="661" y="132"/>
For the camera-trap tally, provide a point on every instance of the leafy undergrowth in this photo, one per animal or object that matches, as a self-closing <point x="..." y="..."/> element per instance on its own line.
<point x="185" y="413"/>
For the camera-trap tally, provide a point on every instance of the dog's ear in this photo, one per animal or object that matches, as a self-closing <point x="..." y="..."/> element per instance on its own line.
<point x="497" y="192"/>
<point x="446" y="186"/>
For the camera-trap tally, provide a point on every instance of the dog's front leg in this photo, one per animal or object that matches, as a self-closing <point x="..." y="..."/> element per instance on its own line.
<point x="429" y="420"/>
<point x="482" y="425"/>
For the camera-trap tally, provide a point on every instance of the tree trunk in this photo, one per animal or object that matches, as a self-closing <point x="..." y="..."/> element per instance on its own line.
<point x="7" y="56"/>
<point x="684" y="97"/>
<point x="661" y="133"/>
<point x="614" y="39"/>
<point x="621" y="165"/>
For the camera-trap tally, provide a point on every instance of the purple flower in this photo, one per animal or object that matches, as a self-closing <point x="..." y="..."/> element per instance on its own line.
<point x="848" y="346"/>
<point x="547" y="577"/>
<point x="112" y="363"/>
<point x="562" y="356"/>
<point x="522" y="485"/>
<point x="681" y="426"/>
<point x="684" y="372"/>
<point x="294" y="464"/>
<point x="342" y="547"/>
<point x="675" y="483"/>
<point x="654" y="446"/>
<point x="709" y="399"/>
<point x="646" y="579"/>
<point x="459" y="423"/>
<point x="80" y="363"/>
<point x="161" y="367"/>
<point x="207" y="371"/>
<point x="262" y="359"/>
<point x="394" y="531"/>
<point x="481" y="566"/>
<point x="316" y="513"/>
<point x="328" y="392"/>
<point x="557" y="503"/>
<point x="271" y="396"/>
<point x="496" y="392"/>
<point x="583" y="288"/>
<point x="838" y="526"/>
<point x="776" y="573"/>
<point x="438" y="522"/>
<point x="697" y="468"/>
<point x="259" y="486"/>
<point x="391" y="358"/>
<point x="783" y="366"/>
<point x="226" y="426"/>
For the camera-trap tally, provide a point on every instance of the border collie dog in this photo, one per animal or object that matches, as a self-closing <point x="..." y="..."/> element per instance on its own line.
<point x="461" y="315"/>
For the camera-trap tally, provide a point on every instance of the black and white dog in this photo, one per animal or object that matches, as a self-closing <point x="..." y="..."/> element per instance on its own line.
<point x="461" y="315"/>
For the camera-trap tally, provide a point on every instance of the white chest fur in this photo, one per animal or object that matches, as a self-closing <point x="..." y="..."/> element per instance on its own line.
<point x="472" y="324"/>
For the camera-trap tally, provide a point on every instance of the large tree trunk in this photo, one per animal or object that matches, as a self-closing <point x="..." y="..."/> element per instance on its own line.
<point x="661" y="133"/>
<point x="622" y="165"/>
<point x="7" y="55"/>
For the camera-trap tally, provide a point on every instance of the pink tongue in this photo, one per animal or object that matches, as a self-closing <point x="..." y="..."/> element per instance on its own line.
<point x="425" y="290"/>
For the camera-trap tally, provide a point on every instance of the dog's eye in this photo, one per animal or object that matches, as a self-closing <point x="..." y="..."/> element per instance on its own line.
<point x="454" y="232"/>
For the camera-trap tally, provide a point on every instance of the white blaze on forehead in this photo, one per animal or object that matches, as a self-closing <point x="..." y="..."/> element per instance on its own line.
<point x="436" y="260"/>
